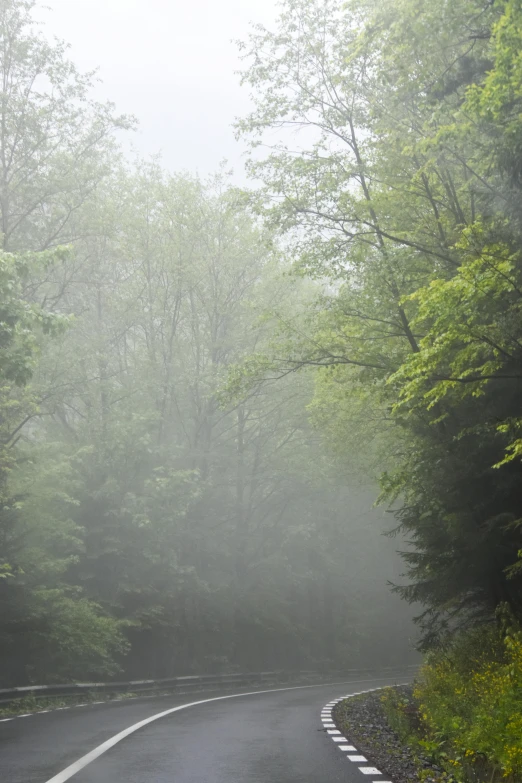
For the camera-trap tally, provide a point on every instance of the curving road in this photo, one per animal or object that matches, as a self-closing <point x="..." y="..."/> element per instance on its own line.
<point x="268" y="737"/>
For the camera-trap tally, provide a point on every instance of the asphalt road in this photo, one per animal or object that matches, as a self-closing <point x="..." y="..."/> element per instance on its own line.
<point x="273" y="737"/>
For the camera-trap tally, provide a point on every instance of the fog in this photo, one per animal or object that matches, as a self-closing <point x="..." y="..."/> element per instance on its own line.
<point x="171" y="64"/>
<point x="177" y="497"/>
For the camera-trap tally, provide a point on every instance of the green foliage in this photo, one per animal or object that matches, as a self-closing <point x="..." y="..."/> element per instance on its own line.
<point x="147" y="523"/>
<point x="497" y="101"/>
<point x="21" y="322"/>
<point x="398" y="710"/>
<point x="54" y="148"/>
<point x="57" y="143"/>
<point x="78" y="638"/>
<point x="469" y="697"/>
<point x="403" y="199"/>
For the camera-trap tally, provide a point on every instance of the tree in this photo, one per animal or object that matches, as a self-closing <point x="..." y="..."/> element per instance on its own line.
<point x="151" y="526"/>
<point x="38" y="538"/>
<point x="55" y="142"/>
<point x="395" y="192"/>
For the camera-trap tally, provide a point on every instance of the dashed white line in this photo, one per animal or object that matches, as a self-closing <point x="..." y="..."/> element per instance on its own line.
<point x="350" y="749"/>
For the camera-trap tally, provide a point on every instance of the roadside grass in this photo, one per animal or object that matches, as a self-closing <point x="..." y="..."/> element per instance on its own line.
<point x="403" y="716"/>
<point x="464" y="714"/>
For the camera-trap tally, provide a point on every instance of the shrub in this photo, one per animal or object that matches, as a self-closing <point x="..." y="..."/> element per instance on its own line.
<point x="470" y="702"/>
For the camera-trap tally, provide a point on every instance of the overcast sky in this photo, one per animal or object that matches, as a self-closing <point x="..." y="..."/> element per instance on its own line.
<point x="169" y="62"/>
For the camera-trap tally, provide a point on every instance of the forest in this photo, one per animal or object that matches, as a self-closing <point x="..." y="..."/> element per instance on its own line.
<point x="215" y="399"/>
<point x="148" y="527"/>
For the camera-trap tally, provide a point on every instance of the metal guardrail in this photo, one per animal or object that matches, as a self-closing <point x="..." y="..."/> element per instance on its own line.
<point x="188" y="683"/>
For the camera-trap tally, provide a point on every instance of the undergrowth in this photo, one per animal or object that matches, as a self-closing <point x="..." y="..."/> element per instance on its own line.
<point x="465" y="714"/>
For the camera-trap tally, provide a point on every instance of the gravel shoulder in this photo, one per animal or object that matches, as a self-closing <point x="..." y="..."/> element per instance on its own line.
<point x="363" y="722"/>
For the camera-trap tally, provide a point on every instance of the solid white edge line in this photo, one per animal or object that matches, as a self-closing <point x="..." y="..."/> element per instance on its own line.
<point x="167" y="695"/>
<point x="82" y="762"/>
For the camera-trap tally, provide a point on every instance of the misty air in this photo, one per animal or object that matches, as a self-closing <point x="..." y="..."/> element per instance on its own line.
<point x="260" y="391"/>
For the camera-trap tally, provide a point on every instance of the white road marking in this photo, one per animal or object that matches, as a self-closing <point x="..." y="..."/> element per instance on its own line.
<point x="166" y="695"/>
<point x="364" y="770"/>
<point x="82" y="762"/>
